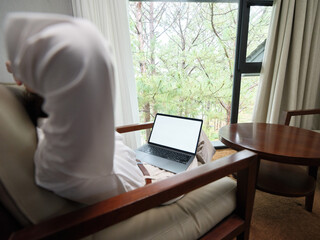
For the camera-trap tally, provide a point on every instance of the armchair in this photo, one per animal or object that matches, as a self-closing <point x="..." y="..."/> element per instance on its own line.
<point x="287" y="115"/>
<point x="291" y="180"/>
<point x="214" y="206"/>
<point x="312" y="170"/>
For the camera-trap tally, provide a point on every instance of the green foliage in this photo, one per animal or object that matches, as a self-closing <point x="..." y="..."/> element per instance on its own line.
<point x="183" y="55"/>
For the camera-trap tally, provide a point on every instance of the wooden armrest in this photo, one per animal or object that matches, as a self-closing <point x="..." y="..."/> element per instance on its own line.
<point x="91" y="219"/>
<point x="134" y="127"/>
<point x="289" y="114"/>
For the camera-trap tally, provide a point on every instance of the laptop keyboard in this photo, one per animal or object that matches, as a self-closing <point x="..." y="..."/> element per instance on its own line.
<point x="165" y="153"/>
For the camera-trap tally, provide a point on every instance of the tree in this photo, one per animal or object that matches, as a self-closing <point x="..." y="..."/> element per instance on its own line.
<point x="184" y="57"/>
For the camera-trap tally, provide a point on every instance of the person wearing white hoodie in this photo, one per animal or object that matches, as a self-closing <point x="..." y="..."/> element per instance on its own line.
<point x="68" y="63"/>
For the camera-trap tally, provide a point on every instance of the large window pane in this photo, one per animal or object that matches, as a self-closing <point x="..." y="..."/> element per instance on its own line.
<point x="183" y="56"/>
<point x="259" y="22"/>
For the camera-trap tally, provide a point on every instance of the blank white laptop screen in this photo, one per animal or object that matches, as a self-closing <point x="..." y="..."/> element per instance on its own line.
<point x="175" y="132"/>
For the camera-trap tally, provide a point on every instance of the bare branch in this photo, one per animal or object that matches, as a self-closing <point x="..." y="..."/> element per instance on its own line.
<point x="221" y="41"/>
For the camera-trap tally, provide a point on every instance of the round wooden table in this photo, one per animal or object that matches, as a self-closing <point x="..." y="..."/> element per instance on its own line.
<point x="282" y="150"/>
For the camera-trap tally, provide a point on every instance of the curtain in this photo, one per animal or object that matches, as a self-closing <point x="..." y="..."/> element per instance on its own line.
<point x="112" y="20"/>
<point x="290" y="74"/>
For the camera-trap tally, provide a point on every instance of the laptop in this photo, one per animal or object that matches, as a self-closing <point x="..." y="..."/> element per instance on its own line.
<point x="172" y="144"/>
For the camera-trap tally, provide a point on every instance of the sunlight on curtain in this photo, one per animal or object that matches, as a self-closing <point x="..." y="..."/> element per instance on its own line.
<point x="112" y="20"/>
<point x="290" y="75"/>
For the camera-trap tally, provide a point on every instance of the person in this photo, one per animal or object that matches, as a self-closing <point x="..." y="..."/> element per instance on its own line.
<point x="31" y="102"/>
<point x="68" y="63"/>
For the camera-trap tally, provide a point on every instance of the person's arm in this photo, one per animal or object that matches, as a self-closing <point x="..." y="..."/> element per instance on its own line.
<point x="31" y="101"/>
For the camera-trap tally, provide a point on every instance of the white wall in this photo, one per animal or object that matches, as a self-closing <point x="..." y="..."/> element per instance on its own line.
<point x="6" y="6"/>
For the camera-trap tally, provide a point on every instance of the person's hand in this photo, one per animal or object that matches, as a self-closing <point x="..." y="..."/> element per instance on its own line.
<point x="19" y="83"/>
<point x="8" y="65"/>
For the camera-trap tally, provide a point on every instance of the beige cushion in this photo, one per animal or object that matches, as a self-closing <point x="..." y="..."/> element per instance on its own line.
<point x="187" y="218"/>
<point x="205" y="149"/>
<point x="18" y="192"/>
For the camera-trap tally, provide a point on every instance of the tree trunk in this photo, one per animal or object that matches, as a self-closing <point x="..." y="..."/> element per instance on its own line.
<point x="139" y="27"/>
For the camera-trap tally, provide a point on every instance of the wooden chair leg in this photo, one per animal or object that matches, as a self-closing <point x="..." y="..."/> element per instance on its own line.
<point x="309" y="201"/>
<point x="243" y="236"/>
<point x="312" y="171"/>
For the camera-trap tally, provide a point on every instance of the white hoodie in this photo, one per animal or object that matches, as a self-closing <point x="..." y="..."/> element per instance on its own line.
<point x="68" y="62"/>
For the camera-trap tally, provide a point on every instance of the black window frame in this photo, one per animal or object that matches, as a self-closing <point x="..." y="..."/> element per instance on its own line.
<point x="241" y="66"/>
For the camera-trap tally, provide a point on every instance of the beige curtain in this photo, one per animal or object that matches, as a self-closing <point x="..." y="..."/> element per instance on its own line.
<point x="111" y="18"/>
<point x="290" y="75"/>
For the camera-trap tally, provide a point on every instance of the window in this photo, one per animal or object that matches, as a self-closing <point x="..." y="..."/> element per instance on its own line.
<point x="255" y="16"/>
<point x="258" y="27"/>
<point x="249" y="87"/>
<point x="184" y="55"/>
<point x="259" y="20"/>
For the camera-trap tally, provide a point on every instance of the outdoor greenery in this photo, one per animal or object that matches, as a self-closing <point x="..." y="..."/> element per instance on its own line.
<point x="183" y="56"/>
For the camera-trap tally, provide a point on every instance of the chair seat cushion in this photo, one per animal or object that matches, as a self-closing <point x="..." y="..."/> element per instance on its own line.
<point x="189" y="218"/>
